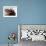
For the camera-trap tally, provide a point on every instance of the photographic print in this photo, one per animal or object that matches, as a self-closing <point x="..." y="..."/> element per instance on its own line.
<point x="32" y="32"/>
<point x="9" y="11"/>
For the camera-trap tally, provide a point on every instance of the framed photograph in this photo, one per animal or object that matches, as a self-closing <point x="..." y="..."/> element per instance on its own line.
<point x="9" y="11"/>
<point x="31" y="32"/>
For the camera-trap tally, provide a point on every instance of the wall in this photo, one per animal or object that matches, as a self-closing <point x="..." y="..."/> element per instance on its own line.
<point x="29" y="12"/>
